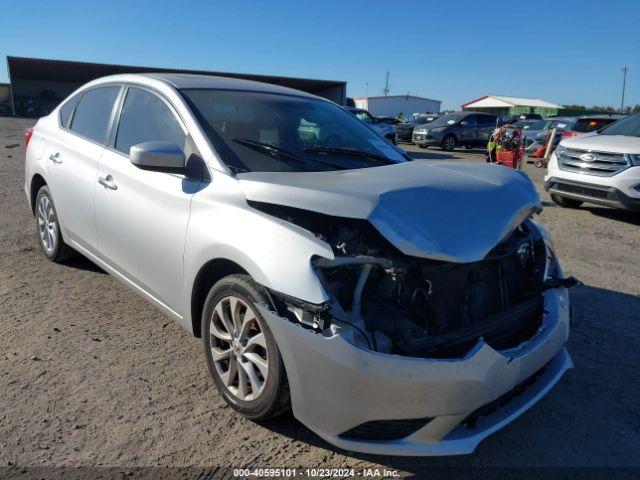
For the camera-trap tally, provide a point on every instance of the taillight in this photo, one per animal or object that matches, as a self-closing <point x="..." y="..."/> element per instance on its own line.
<point x="28" y="133"/>
<point x="569" y="133"/>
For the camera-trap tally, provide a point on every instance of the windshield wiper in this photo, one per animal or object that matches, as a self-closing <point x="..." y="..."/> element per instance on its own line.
<point x="267" y="149"/>
<point x="352" y="152"/>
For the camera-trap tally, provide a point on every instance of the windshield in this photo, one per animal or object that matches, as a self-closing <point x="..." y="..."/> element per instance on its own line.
<point x="628" y="126"/>
<point x="448" y="119"/>
<point x="264" y="132"/>
<point x="540" y="125"/>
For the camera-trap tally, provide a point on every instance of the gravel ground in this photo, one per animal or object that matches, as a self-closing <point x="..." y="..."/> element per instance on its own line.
<point x="92" y="375"/>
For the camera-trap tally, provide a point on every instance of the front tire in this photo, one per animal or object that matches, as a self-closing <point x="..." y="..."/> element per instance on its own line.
<point x="48" y="228"/>
<point x="448" y="143"/>
<point x="565" y="202"/>
<point x="241" y="352"/>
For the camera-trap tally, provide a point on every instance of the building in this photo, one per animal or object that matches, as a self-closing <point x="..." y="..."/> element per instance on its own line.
<point x="394" y="105"/>
<point x="5" y="99"/>
<point x="501" y="105"/>
<point x="38" y="85"/>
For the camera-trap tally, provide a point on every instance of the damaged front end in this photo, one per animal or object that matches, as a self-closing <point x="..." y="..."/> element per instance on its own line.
<point x="386" y="301"/>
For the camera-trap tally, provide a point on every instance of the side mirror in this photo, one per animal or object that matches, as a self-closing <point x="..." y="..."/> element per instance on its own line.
<point x="464" y="123"/>
<point x="159" y="156"/>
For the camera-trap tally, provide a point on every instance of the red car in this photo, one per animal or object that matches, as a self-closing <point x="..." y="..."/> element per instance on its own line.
<point x="590" y="123"/>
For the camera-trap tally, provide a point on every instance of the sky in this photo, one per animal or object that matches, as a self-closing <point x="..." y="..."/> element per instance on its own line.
<point x="566" y="52"/>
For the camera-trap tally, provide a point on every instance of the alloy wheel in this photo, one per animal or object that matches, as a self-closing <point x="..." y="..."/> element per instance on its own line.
<point x="47" y="224"/>
<point x="238" y="348"/>
<point x="449" y="143"/>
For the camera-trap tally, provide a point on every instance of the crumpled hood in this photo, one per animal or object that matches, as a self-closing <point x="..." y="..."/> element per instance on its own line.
<point x="442" y="211"/>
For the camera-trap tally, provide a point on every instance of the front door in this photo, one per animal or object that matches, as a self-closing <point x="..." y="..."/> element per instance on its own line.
<point x="468" y="131"/>
<point x="142" y="215"/>
<point x="486" y="124"/>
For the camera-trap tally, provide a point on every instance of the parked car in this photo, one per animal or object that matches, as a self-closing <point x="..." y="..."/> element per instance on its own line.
<point x="536" y="133"/>
<point x="383" y="129"/>
<point x="512" y="118"/>
<point x="600" y="167"/>
<point x="405" y="130"/>
<point x="590" y="123"/>
<point x="387" y="120"/>
<point x="296" y="243"/>
<point x="468" y="129"/>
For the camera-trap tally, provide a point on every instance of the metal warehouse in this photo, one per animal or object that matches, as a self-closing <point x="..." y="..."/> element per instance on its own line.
<point x="394" y="105"/>
<point x="501" y="105"/>
<point x="38" y="85"/>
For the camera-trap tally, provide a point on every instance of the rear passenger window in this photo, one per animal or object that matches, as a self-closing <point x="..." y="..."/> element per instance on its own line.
<point x="66" y="109"/>
<point x="486" y="120"/>
<point x="147" y="118"/>
<point x="91" y="119"/>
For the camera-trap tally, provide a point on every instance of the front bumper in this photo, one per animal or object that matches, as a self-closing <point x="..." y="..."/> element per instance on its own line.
<point x="336" y="387"/>
<point x="587" y="192"/>
<point x="425" y="139"/>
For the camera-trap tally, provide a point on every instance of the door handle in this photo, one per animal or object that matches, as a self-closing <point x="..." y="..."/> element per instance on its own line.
<point x="108" y="182"/>
<point x="55" y="158"/>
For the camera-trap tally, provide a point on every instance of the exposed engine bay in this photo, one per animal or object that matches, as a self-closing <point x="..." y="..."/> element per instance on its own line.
<point x="384" y="300"/>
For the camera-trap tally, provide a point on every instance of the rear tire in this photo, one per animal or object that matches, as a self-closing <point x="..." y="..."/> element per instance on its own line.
<point x="247" y="368"/>
<point x="565" y="202"/>
<point x="48" y="228"/>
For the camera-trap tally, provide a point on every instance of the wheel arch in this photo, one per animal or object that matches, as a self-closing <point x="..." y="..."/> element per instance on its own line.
<point x="207" y="276"/>
<point x="451" y="134"/>
<point x="37" y="182"/>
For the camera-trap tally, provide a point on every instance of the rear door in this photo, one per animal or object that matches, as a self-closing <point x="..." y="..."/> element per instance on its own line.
<point x="142" y="215"/>
<point x="72" y="161"/>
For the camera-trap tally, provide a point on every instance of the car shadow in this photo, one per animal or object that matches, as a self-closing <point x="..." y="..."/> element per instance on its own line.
<point x="426" y="154"/>
<point x="82" y="263"/>
<point x="627" y="216"/>
<point x="430" y="155"/>
<point x="568" y="428"/>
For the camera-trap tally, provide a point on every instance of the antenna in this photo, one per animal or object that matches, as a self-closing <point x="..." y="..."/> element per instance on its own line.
<point x="386" y="86"/>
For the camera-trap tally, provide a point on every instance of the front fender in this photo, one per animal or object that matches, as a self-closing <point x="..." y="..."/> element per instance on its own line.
<point x="275" y="253"/>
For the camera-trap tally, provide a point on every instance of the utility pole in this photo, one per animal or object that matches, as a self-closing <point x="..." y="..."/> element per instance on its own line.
<point x="624" y="85"/>
<point x="386" y="86"/>
<point x="367" y="90"/>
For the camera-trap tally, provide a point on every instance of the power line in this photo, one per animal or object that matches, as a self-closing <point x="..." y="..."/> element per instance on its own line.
<point x="624" y="86"/>
<point x="386" y="86"/>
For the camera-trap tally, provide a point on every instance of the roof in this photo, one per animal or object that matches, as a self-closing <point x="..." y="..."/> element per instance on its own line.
<point x="190" y="81"/>
<point x="499" y="101"/>
<point x="615" y="116"/>
<point x="398" y="96"/>
<point x="82" y="72"/>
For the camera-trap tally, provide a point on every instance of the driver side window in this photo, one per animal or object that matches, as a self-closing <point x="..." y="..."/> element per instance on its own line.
<point x="146" y="117"/>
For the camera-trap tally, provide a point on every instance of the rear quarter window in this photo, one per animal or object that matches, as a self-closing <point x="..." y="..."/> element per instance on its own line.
<point x="67" y="109"/>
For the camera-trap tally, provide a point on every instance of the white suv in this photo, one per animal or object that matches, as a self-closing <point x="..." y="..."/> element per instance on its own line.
<point x="397" y="307"/>
<point x="601" y="167"/>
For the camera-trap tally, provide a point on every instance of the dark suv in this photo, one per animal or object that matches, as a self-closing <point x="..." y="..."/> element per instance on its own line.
<point x="469" y="129"/>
